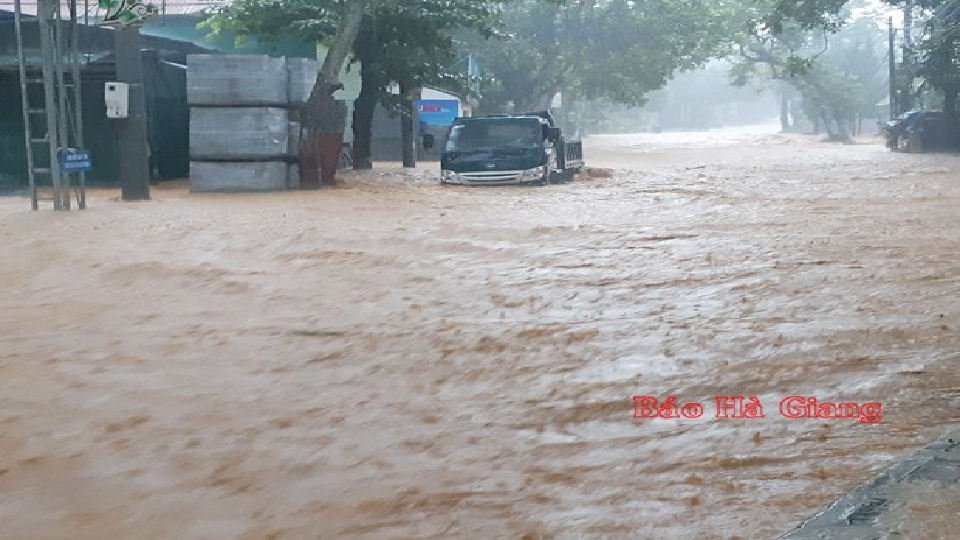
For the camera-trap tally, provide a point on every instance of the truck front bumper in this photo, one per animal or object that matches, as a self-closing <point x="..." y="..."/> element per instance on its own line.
<point x="493" y="178"/>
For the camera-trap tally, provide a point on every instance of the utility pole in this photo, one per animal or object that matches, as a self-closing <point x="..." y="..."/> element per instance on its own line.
<point x="132" y="131"/>
<point x="893" y="70"/>
<point x="906" y="70"/>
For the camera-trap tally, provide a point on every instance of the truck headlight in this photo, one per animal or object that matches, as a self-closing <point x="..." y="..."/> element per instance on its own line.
<point x="448" y="176"/>
<point x="535" y="173"/>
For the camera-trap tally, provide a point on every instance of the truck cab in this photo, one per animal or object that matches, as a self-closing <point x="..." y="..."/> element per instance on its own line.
<point x="501" y="150"/>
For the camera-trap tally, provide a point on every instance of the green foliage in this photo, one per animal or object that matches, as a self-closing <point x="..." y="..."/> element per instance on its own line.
<point x="838" y="71"/>
<point x="940" y="56"/>
<point x="806" y="15"/>
<point x="411" y="41"/>
<point x="407" y="41"/>
<point x="399" y="40"/>
<point x="859" y="53"/>
<point x="938" y="49"/>
<point x="614" y="49"/>
<point x="267" y="20"/>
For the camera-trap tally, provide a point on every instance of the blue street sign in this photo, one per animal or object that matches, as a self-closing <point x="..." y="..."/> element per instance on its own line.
<point x="75" y="161"/>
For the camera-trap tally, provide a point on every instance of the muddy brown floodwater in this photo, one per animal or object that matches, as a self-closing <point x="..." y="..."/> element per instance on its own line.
<point x="394" y="359"/>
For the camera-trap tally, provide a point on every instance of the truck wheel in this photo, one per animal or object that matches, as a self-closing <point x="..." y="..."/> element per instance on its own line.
<point x="915" y="143"/>
<point x="903" y="143"/>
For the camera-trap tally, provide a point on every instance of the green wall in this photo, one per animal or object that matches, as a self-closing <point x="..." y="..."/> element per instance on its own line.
<point x="168" y="126"/>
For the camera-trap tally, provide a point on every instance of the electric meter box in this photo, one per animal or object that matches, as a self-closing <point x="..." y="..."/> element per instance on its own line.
<point x="117" y="98"/>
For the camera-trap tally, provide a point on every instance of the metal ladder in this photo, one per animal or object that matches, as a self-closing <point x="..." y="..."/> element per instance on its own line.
<point x="55" y="124"/>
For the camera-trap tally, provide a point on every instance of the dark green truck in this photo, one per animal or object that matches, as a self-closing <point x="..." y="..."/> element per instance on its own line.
<point x="508" y="150"/>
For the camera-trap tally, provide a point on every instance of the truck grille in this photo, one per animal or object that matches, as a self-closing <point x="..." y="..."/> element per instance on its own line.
<point x="491" y="177"/>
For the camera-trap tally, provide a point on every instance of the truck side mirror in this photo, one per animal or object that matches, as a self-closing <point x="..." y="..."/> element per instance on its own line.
<point x="553" y="133"/>
<point x="428" y="140"/>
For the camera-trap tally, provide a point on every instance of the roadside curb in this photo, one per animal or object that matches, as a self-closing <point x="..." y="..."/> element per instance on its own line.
<point x="860" y="514"/>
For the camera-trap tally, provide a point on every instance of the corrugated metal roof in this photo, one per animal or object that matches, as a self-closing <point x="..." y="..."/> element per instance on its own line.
<point x="186" y="7"/>
<point x="90" y="10"/>
<point x="94" y="43"/>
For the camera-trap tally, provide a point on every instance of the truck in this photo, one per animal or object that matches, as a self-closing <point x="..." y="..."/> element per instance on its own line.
<point x="918" y="131"/>
<point x="512" y="149"/>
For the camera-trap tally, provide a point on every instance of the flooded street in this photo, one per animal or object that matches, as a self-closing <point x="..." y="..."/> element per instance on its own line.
<point x="395" y="359"/>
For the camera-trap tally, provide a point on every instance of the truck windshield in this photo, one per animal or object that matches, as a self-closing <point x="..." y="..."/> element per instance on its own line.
<point x="487" y="134"/>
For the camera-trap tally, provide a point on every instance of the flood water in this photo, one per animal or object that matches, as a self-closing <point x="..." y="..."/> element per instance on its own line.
<point x="395" y="359"/>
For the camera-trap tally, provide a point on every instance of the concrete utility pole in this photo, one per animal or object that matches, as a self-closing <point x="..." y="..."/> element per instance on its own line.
<point x="906" y="101"/>
<point x="892" y="53"/>
<point x="132" y="131"/>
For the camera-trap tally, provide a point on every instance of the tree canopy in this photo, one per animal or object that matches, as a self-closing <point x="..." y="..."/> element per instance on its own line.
<point x="615" y="49"/>
<point x="404" y="41"/>
<point x="937" y="57"/>
<point x="611" y="50"/>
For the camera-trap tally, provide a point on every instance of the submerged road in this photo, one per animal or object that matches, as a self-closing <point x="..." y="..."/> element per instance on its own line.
<point x="394" y="359"/>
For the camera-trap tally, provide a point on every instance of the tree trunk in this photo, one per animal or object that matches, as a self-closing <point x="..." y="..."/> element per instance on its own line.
<point x="407" y="138"/>
<point x="950" y="99"/>
<point x="330" y="144"/>
<point x="953" y="116"/>
<point x="368" y="53"/>
<point x="843" y="134"/>
<point x="827" y="121"/>
<point x="363" y="110"/>
<point x="322" y="113"/>
<point x="796" y="114"/>
<point x="784" y="111"/>
<point x="318" y="112"/>
<point x="407" y="146"/>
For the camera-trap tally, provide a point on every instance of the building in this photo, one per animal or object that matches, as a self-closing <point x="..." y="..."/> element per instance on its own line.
<point x="167" y="38"/>
<point x="168" y="116"/>
<point x="386" y="145"/>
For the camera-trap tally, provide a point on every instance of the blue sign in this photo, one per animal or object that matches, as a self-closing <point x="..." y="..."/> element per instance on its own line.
<point x="75" y="161"/>
<point x="437" y="112"/>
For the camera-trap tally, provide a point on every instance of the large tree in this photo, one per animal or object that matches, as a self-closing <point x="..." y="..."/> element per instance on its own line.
<point x="410" y="43"/>
<point x="839" y="77"/>
<point x="939" y="64"/>
<point x="940" y="53"/>
<point x="403" y="41"/>
<point x="613" y="49"/>
<point x="336" y="23"/>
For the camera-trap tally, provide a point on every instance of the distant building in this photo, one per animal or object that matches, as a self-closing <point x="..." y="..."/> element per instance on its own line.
<point x="386" y="127"/>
